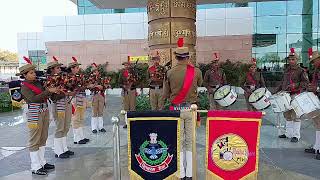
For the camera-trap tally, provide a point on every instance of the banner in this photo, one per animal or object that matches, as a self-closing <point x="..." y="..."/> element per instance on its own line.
<point x="140" y="58"/>
<point x="153" y="145"/>
<point x="232" y="145"/>
<point x="15" y="93"/>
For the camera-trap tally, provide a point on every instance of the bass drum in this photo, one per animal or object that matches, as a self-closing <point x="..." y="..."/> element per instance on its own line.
<point x="259" y="98"/>
<point x="225" y="96"/>
<point x="280" y="102"/>
<point x="306" y="105"/>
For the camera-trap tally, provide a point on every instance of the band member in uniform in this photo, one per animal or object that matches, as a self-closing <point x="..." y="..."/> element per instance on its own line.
<point x="36" y="97"/>
<point x="98" y="102"/>
<point x="315" y="85"/>
<point x="128" y="85"/>
<point x="80" y="103"/>
<point x="62" y="112"/>
<point x="213" y="79"/>
<point x="295" y="81"/>
<point x="253" y="81"/>
<point x="180" y="87"/>
<point x="156" y="76"/>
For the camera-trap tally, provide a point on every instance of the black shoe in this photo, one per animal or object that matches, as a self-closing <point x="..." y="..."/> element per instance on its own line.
<point x="94" y="131"/>
<point x="82" y="142"/>
<point x="86" y="140"/>
<point x="188" y="178"/>
<point x="294" y="139"/>
<point x="40" y="171"/>
<point x="48" y="166"/>
<point x="318" y="156"/>
<point x="283" y="136"/>
<point x="70" y="153"/>
<point x="183" y="178"/>
<point x="62" y="156"/>
<point x="310" y="150"/>
<point x="125" y="127"/>
<point x="102" y="130"/>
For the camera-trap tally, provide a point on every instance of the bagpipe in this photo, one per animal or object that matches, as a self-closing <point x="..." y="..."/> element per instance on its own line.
<point x="159" y="73"/>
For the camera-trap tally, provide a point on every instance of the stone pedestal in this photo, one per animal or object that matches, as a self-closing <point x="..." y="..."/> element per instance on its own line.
<point x="168" y="21"/>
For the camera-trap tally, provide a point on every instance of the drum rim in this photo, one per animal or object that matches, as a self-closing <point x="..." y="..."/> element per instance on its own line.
<point x="223" y="96"/>
<point x="265" y="90"/>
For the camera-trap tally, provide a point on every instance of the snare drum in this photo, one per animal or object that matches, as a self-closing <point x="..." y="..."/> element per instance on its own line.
<point x="225" y="96"/>
<point x="306" y="104"/>
<point x="280" y="102"/>
<point x="259" y="99"/>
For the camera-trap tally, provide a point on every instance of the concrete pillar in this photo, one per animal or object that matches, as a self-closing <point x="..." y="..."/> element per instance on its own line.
<point x="168" y="21"/>
<point x="307" y="40"/>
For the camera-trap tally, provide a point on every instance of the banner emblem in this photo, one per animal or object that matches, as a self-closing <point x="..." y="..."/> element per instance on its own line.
<point x="229" y="152"/>
<point x="154" y="156"/>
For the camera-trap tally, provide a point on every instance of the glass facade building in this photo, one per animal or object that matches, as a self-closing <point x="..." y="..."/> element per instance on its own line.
<point x="278" y="26"/>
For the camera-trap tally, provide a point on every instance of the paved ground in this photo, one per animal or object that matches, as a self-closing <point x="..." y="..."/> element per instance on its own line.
<point x="279" y="159"/>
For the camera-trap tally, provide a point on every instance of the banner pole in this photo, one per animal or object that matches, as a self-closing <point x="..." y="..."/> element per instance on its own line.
<point x="194" y="108"/>
<point x="116" y="148"/>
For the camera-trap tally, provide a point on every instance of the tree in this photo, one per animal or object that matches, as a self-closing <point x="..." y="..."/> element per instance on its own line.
<point x="272" y="58"/>
<point x="8" y="56"/>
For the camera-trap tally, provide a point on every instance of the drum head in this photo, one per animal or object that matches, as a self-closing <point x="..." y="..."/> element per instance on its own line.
<point x="257" y="94"/>
<point x="222" y="92"/>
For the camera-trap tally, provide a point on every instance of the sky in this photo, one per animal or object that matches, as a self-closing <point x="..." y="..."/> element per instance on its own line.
<point x="26" y="16"/>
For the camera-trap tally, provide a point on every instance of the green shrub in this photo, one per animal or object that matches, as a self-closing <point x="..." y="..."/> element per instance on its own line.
<point x="5" y="102"/>
<point x="143" y="102"/>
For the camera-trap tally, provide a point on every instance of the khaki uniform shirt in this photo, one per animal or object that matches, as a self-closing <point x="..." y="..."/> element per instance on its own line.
<point x="294" y="75"/>
<point x="255" y="83"/>
<point x="174" y="82"/>
<point x="213" y="78"/>
<point x="31" y="97"/>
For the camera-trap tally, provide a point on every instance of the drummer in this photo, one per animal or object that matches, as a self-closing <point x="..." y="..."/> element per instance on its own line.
<point x="213" y="79"/>
<point x="314" y="86"/>
<point x="295" y="80"/>
<point x="253" y="81"/>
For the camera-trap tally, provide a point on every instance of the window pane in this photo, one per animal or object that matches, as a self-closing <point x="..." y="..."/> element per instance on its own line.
<point x="271" y="25"/>
<point x="295" y="7"/>
<point x="81" y="10"/>
<point x="81" y="2"/>
<point x="271" y="8"/>
<point x="294" y="24"/>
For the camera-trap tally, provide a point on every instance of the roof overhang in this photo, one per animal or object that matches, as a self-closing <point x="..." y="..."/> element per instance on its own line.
<point x="121" y="4"/>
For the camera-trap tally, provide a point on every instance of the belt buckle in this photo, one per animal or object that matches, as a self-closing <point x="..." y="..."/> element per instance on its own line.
<point x="156" y="88"/>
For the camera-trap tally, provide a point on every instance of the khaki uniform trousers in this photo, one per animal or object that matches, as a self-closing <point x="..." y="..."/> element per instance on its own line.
<point x="38" y="136"/>
<point x="213" y="103"/>
<point x="79" y="117"/>
<point x="62" y="122"/>
<point x="98" y="102"/>
<point x="187" y="125"/>
<point x="156" y="99"/>
<point x="129" y="100"/>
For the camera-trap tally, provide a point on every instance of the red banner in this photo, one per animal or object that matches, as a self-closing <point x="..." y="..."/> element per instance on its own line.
<point x="232" y="150"/>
